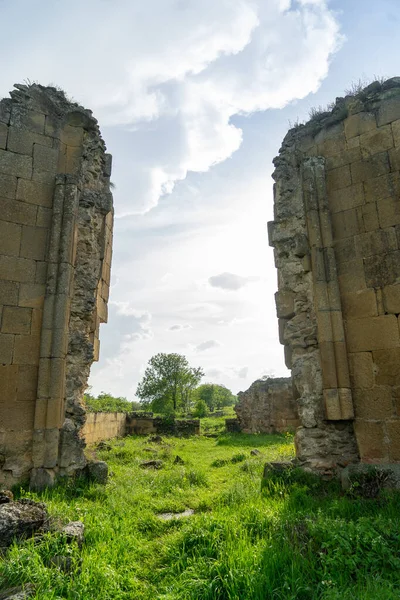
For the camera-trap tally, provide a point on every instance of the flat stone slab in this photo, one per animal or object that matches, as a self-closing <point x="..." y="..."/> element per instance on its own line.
<point x="169" y="516"/>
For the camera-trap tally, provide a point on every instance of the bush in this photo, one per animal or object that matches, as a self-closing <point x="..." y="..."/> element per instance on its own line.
<point x="200" y="409"/>
<point x="108" y="403"/>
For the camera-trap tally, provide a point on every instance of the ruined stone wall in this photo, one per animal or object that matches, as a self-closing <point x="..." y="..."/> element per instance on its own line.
<point x="268" y="406"/>
<point x="103" y="426"/>
<point x="336" y="234"/>
<point x="56" y="221"/>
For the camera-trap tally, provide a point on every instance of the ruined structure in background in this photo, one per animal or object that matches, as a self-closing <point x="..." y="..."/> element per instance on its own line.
<point x="56" y="221"/>
<point x="267" y="406"/>
<point x="336" y="236"/>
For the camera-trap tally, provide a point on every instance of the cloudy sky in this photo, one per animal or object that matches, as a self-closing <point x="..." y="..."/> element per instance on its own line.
<point x="193" y="98"/>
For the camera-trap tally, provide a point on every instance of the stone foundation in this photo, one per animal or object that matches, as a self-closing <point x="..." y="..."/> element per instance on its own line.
<point x="56" y="223"/>
<point x="336" y="239"/>
<point x="268" y="406"/>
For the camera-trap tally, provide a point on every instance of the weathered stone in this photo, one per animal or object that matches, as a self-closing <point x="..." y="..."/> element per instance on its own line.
<point x="74" y="532"/>
<point x="151" y="464"/>
<point x="369" y="480"/>
<point x="21" y="592"/>
<point x="19" y="520"/>
<point x="97" y="471"/>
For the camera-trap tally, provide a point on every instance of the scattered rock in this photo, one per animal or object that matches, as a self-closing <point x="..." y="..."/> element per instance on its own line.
<point x="151" y="464"/>
<point x="368" y="480"/>
<point x="169" y="516"/>
<point x="155" y="439"/>
<point x="64" y="563"/>
<point x="104" y="446"/>
<point x="97" y="471"/>
<point x="18" y="593"/>
<point x="21" y="520"/>
<point x="152" y="450"/>
<point x="74" y="532"/>
<point x="255" y="452"/>
<point x="6" y="496"/>
<point x="277" y="468"/>
<point x="179" y="461"/>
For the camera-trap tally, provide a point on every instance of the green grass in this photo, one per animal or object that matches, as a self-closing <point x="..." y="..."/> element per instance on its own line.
<point x="298" y="538"/>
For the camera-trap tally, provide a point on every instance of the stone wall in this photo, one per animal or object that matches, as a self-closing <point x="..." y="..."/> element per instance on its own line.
<point x="103" y="426"/>
<point x="268" y="406"/>
<point x="336" y="234"/>
<point x="56" y="220"/>
<point x="143" y="425"/>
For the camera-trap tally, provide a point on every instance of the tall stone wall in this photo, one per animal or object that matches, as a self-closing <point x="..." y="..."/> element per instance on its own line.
<point x="336" y="234"/>
<point x="268" y="406"/>
<point x="56" y="221"/>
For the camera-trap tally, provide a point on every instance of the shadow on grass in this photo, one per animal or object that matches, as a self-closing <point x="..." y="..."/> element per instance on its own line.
<point x="256" y="440"/>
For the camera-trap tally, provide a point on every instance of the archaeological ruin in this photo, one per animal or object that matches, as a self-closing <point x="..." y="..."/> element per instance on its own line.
<point x="56" y="225"/>
<point x="268" y="406"/>
<point x="336" y="239"/>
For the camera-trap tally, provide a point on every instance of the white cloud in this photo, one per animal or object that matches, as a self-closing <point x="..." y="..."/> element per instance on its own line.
<point x="230" y="281"/>
<point x="207" y="345"/>
<point x="179" y="327"/>
<point x="173" y="74"/>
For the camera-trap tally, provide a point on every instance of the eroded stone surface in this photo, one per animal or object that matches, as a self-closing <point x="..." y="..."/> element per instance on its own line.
<point x="20" y="520"/>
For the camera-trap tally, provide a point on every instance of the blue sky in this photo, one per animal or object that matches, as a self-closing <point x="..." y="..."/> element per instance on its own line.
<point x="193" y="100"/>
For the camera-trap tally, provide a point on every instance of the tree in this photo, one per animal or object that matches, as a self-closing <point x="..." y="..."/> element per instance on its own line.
<point x="215" y="396"/>
<point x="168" y="382"/>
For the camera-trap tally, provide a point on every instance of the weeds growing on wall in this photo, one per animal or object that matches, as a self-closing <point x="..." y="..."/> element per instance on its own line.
<point x="295" y="538"/>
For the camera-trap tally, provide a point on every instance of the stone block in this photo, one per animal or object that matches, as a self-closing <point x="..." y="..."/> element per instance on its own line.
<point x="44" y="177"/>
<point x="71" y="136"/>
<point x="331" y="146"/>
<point x="8" y="384"/>
<point x="6" y="348"/>
<point x="376" y="165"/>
<point x="346" y="404"/>
<point x="31" y="295"/>
<point x="17" y="212"/>
<point x="361" y="369"/>
<point x="41" y="272"/>
<point x="328" y="364"/>
<point x="391" y="299"/>
<point x="34" y="192"/>
<point x="22" y="141"/>
<point x="33" y="242"/>
<point x="393" y="431"/>
<point x="3" y="135"/>
<point x="8" y="186"/>
<point x="384" y="186"/>
<point x="394" y="159"/>
<point x="10" y="238"/>
<point x="344" y="157"/>
<point x="389" y="110"/>
<point x="396" y="132"/>
<point x="74" y="155"/>
<point x="375" y="141"/>
<point x="338" y="178"/>
<point x="370" y="216"/>
<point x="387" y="366"/>
<point x="18" y="165"/>
<point x="332" y="405"/>
<point x="359" y="124"/>
<point x="16" y="419"/>
<point x="344" y="249"/>
<point x="372" y="333"/>
<point x="27" y="383"/>
<point x="26" y="350"/>
<point x="284" y="302"/>
<point x="346" y="198"/>
<point x="13" y="268"/>
<point x="376" y="242"/>
<point x="330" y="326"/>
<point x="382" y="270"/>
<point x="16" y="320"/>
<point x="44" y="217"/>
<point x="389" y="212"/>
<point x="374" y="403"/>
<point x="351" y="275"/>
<point x="45" y="159"/>
<point x="346" y="224"/>
<point x="370" y="440"/>
<point x="26" y="119"/>
<point x="8" y="293"/>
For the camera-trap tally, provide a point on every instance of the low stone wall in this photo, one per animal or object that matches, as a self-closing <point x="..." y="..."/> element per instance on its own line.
<point x="104" y="426"/>
<point x="268" y="406"/>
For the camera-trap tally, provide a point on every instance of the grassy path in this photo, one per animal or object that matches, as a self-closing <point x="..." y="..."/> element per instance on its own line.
<point x="299" y="539"/>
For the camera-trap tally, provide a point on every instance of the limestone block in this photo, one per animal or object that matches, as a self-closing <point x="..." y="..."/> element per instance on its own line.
<point x="10" y="238"/>
<point x="345" y="249"/>
<point x="17" y="212"/>
<point x="44" y="217"/>
<point x="26" y="350"/>
<point x="346" y="224"/>
<point x="338" y="178"/>
<point x="27" y="383"/>
<point x="370" y="216"/>
<point x="3" y="135"/>
<point x="284" y="302"/>
<point x="45" y="177"/>
<point x="33" y="242"/>
<point x="71" y="136"/>
<point x="8" y="186"/>
<point x="387" y="365"/>
<point x="16" y="320"/>
<point x="342" y="365"/>
<point x="389" y="212"/>
<point x="330" y="146"/>
<point x="330" y="326"/>
<point x="358" y="124"/>
<point x="388" y="111"/>
<point x="332" y="405"/>
<point x="44" y="158"/>
<point x="376" y="141"/>
<point x="8" y="293"/>
<point x="381" y="187"/>
<point x="22" y="141"/>
<point x="372" y="333"/>
<point x="346" y="404"/>
<point x="376" y="242"/>
<point x="374" y="403"/>
<point x="393" y="430"/>
<point x="74" y="154"/>
<point x="361" y="369"/>
<point x="346" y="198"/>
<point x="328" y="364"/>
<point x="34" y="192"/>
<point x="6" y="348"/>
<point x="29" y="120"/>
<point x="15" y="418"/>
<point x="13" y="268"/>
<point x="15" y="164"/>
<point x="345" y="157"/>
<point x="41" y="272"/>
<point x="382" y="270"/>
<point x="37" y="318"/>
<point x="391" y="298"/>
<point x="396" y="132"/>
<point x="394" y="159"/>
<point x="376" y="165"/>
<point x="370" y="437"/>
<point x="8" y="384"/>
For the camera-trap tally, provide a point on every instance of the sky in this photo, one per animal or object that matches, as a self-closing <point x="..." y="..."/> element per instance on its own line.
<point x="194" y="98"/>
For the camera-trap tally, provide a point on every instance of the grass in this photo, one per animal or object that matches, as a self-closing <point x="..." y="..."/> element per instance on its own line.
<point x="297" y="538"/>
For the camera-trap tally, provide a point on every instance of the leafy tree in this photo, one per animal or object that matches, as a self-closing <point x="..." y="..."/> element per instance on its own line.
<point x="105" y="402"/>
<point x="200" y="409"/>
<point x="168" y="382"/>
<point x="215" y="396"/>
